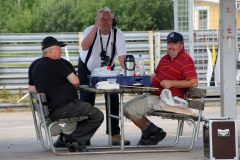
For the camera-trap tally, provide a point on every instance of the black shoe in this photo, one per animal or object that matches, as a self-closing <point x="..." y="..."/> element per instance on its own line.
<point x="68" y="145"/>
<point x="79" y="147"/>
<point x="88" y="143"/>
<point x="59" y="143"/>
<point x="142" y="141"/>
<point x="154" y="138"/>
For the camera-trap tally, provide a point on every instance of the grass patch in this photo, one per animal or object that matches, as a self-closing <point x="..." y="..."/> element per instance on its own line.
<point x="15" y="65"/>
<point x="6" y="97"/>
<point x="19" y="54"/>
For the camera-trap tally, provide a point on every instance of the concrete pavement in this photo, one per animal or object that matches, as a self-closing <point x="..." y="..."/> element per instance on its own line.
<point x="18" y="139"/>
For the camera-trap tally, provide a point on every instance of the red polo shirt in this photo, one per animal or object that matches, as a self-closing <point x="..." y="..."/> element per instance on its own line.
<point x="181" y="68"/>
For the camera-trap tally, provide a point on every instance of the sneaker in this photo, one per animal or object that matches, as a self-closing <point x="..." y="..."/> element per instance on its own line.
<point x="68" y="145"/>
<point x="116" y="140"/>
<point x="88" y="143"/>
<point x="59" y="143"/>
<point x="79" y="147"/>
<point x="142" y="141"/>
<point x="154" y="138"/>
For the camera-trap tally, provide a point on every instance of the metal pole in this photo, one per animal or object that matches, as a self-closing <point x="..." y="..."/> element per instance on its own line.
<point x="109" y="121"/>
<point x="175" y="6"/>
<point x="122" y="122"/>
<point x="190" y="28"/>
<point x="228" y="58"/>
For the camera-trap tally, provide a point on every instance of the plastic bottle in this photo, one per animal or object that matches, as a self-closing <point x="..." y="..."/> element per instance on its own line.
<point x="137" y="72"/>
<point x="140" y="63"/>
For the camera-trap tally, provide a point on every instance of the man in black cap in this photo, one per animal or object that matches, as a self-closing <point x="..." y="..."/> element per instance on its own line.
<point x="176" y="72"/>
<point x="56" y="78"/>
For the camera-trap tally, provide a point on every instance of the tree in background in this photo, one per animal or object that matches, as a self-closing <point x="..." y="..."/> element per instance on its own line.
<point x="41" y="16"/>
<point x="146" y="15"/>
<point x="14" y="19"/>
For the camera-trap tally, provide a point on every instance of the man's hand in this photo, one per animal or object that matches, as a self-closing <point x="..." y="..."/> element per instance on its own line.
<point x="97" y="20"/>
<point x="31" y="89"/>
<point x="166" y="84"/>
<point x="87" y="42"/>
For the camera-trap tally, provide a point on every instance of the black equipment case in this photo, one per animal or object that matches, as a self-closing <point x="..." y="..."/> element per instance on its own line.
<point x="220" y="138"/>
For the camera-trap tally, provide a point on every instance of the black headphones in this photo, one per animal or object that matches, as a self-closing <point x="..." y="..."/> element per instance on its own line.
<point x="114" y="20"/>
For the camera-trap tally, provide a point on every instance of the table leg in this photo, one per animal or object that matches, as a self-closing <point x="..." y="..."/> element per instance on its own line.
<point x="109" y="121"/>
<point x="122" y="122"/>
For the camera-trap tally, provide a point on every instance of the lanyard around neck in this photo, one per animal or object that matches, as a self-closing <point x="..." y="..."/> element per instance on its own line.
<point x="102" y="42"/>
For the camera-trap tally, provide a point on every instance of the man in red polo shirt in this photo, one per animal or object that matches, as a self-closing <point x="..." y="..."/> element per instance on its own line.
<point x="176" y="72"/>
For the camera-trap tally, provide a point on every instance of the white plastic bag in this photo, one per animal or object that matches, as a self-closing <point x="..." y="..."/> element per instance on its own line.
<point x="175" y="101"/>
<point x="107" y="85"/>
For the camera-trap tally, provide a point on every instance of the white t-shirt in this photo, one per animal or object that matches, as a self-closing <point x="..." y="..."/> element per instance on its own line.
<point x="95" y="58"/>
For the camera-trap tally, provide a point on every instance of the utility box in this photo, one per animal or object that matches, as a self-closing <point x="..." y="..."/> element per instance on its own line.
<point x="220" y="139"/>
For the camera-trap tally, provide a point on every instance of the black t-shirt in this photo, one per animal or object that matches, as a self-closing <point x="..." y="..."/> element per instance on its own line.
<point x="30" y="79"/>
<point x="50" y="77"/>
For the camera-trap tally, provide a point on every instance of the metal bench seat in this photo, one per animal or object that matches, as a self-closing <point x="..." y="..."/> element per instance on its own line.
<point x="41" y="120"/>
<point x="195" y="98"/>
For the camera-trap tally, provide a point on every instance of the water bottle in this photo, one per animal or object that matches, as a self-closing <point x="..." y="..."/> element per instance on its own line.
<point x="137" y="72"/>
<point x="140" y="63"/>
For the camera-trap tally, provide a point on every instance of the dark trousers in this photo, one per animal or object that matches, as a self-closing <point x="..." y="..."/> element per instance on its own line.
<point x="89" y="97"/>
<point x="85" y="129"/>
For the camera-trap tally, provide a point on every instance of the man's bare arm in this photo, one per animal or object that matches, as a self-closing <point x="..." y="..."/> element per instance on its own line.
<point x="121" y="60"/>
<point x="179" y="83"/>
<point x="73" y="79"/>
<point x="86" y="43"/>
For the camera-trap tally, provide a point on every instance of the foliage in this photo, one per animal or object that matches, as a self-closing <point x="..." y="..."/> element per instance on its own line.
<point x="4" y="93"/>
<point x="41" y="16"/>
<point x="6" y="97"/>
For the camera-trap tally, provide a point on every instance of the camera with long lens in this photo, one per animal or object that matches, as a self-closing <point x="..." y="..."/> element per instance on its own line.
<point x="105" y="59"/>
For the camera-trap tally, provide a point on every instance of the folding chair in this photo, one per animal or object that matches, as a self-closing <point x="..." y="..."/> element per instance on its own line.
<point x="195" y="98"/>
<point x="41" y="120"/>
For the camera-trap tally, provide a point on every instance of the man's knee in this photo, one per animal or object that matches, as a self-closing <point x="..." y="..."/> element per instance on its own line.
<point x="100" y="115"/>
<point x="96" y="114"/>
<point x="126" y="114"/>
